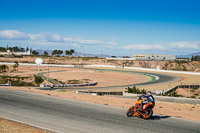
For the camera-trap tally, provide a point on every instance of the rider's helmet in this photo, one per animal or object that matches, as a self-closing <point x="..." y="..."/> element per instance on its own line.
<point x="148" y="92"/>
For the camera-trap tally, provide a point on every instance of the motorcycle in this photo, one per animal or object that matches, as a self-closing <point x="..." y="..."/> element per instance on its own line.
<point x="146" y="113"/>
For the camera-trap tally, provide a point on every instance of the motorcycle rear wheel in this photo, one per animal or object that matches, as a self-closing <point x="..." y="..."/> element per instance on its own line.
<point x="147" y="114"/>
<point x="130" y="111"/>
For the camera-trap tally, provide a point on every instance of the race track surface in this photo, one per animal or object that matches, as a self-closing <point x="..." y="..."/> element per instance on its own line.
<point x="70" y="116"/>
<point x="163" y="78"/>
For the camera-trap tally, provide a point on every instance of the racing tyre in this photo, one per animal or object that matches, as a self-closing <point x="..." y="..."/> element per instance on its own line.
<point x="130" y="111"/>
<point x="147" y="114"/>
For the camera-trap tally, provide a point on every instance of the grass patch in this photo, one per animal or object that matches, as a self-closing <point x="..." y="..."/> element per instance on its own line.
<point x="61" y="90"/>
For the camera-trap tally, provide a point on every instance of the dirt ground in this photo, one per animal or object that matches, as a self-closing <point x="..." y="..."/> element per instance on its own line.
<point x="187" y="92"/>
<point x="185" y="111"/>
<point x="7" y="126"/>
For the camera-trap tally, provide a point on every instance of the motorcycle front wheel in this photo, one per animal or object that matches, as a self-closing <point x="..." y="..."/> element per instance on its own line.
<point x="130" y="111"/>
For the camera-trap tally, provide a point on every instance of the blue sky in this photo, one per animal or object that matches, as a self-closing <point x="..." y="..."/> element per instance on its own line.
<point x="115" y="27"/>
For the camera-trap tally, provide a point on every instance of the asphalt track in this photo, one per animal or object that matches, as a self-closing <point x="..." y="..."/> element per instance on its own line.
<point x="70" y="116"/>
<point x="163" y="78"/>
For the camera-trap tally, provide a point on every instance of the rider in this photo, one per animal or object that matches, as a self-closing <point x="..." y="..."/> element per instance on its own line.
<point x="150" y="99"/>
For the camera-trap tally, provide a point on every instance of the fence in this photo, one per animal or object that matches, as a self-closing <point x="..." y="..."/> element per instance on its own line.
<point x="175" y="88"/>
<point x="100" y="93"/>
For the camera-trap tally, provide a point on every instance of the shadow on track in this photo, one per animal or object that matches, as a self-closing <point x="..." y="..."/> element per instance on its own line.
<point x="158" y="117"/>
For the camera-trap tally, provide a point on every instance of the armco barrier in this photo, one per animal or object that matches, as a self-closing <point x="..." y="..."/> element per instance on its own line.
<point x="175" y="88"/>
<point x="68" y="85"/>
<point x="5" y="84"/>
<point x="99" y="93"/>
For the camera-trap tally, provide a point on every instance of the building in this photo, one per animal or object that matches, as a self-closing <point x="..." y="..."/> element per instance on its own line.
<point x="9" y="53"/>
<point x="153" y="57"/>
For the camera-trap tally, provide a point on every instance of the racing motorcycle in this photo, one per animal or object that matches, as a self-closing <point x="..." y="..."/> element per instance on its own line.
<point x="146" y="113"/>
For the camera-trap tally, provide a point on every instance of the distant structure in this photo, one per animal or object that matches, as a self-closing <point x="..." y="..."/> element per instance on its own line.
<point x="153" y="57"/>
<point x="9" y="53"/>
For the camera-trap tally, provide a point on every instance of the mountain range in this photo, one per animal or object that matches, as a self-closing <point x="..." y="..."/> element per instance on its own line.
<point x="188" y="55"/>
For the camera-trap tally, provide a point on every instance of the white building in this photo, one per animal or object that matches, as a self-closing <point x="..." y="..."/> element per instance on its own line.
<point x="15" y="53"/>
<point x="153" y="57"/>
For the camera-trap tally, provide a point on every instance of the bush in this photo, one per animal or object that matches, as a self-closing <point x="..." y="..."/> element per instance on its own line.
<point x="136" y="90"/>
<point x="38" y="79"/>
<point x="74" y="81"/>
<point x="174" y="94"/>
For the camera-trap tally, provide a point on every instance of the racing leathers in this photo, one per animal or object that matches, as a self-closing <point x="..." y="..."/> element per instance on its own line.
<point x="150" y="99"/>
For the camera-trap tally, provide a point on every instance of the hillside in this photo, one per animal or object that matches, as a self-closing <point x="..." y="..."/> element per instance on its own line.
<point x="166" y="65"/>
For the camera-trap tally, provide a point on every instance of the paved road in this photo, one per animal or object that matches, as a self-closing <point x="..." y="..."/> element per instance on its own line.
<point x="163" y="78"/>
<point x="70" y="116"/>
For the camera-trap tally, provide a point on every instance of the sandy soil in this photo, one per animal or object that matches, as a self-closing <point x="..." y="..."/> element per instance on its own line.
<point x="187" y="92"/>
<point x="7" y="126"/>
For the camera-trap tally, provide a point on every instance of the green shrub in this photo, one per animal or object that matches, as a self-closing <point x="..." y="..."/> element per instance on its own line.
<point x="174" y="94"/>
<point x="74" y="81"/>
<point x="135" y="90"/>
<point x="38" y="79"/>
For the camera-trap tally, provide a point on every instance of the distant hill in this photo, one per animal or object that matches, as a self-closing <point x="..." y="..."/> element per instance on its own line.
<point x="188" y="56"/>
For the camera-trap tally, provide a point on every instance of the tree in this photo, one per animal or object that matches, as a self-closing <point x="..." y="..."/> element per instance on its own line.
<point x="27" y="49"/>
<point x="54" y="52"/>
<point x="4" y="68"/>
<point x="126" y="57"/>
<point x="192" y="59"/>
<point x="16" y="49"/>
<point x="46" y="53"/>
<point x="195" y="58"/>
<point x="72" y="51"/>
<point x="2" y="49"/>
<point x="35" y="53"/>
<point x="69" y="52"/>
<point x="59" y="52"/>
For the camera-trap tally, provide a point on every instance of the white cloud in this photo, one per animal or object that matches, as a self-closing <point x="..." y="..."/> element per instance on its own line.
<point x="186" y="45"/>
<point x="35" y="37"/>
<point x="144" y="47"/>
<point x="56" y="37"/>
<point x="12" y="34"/>
<point x="82" y="41"/>
<point x="45" y="37"/>
<point x="112" y="43"/>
